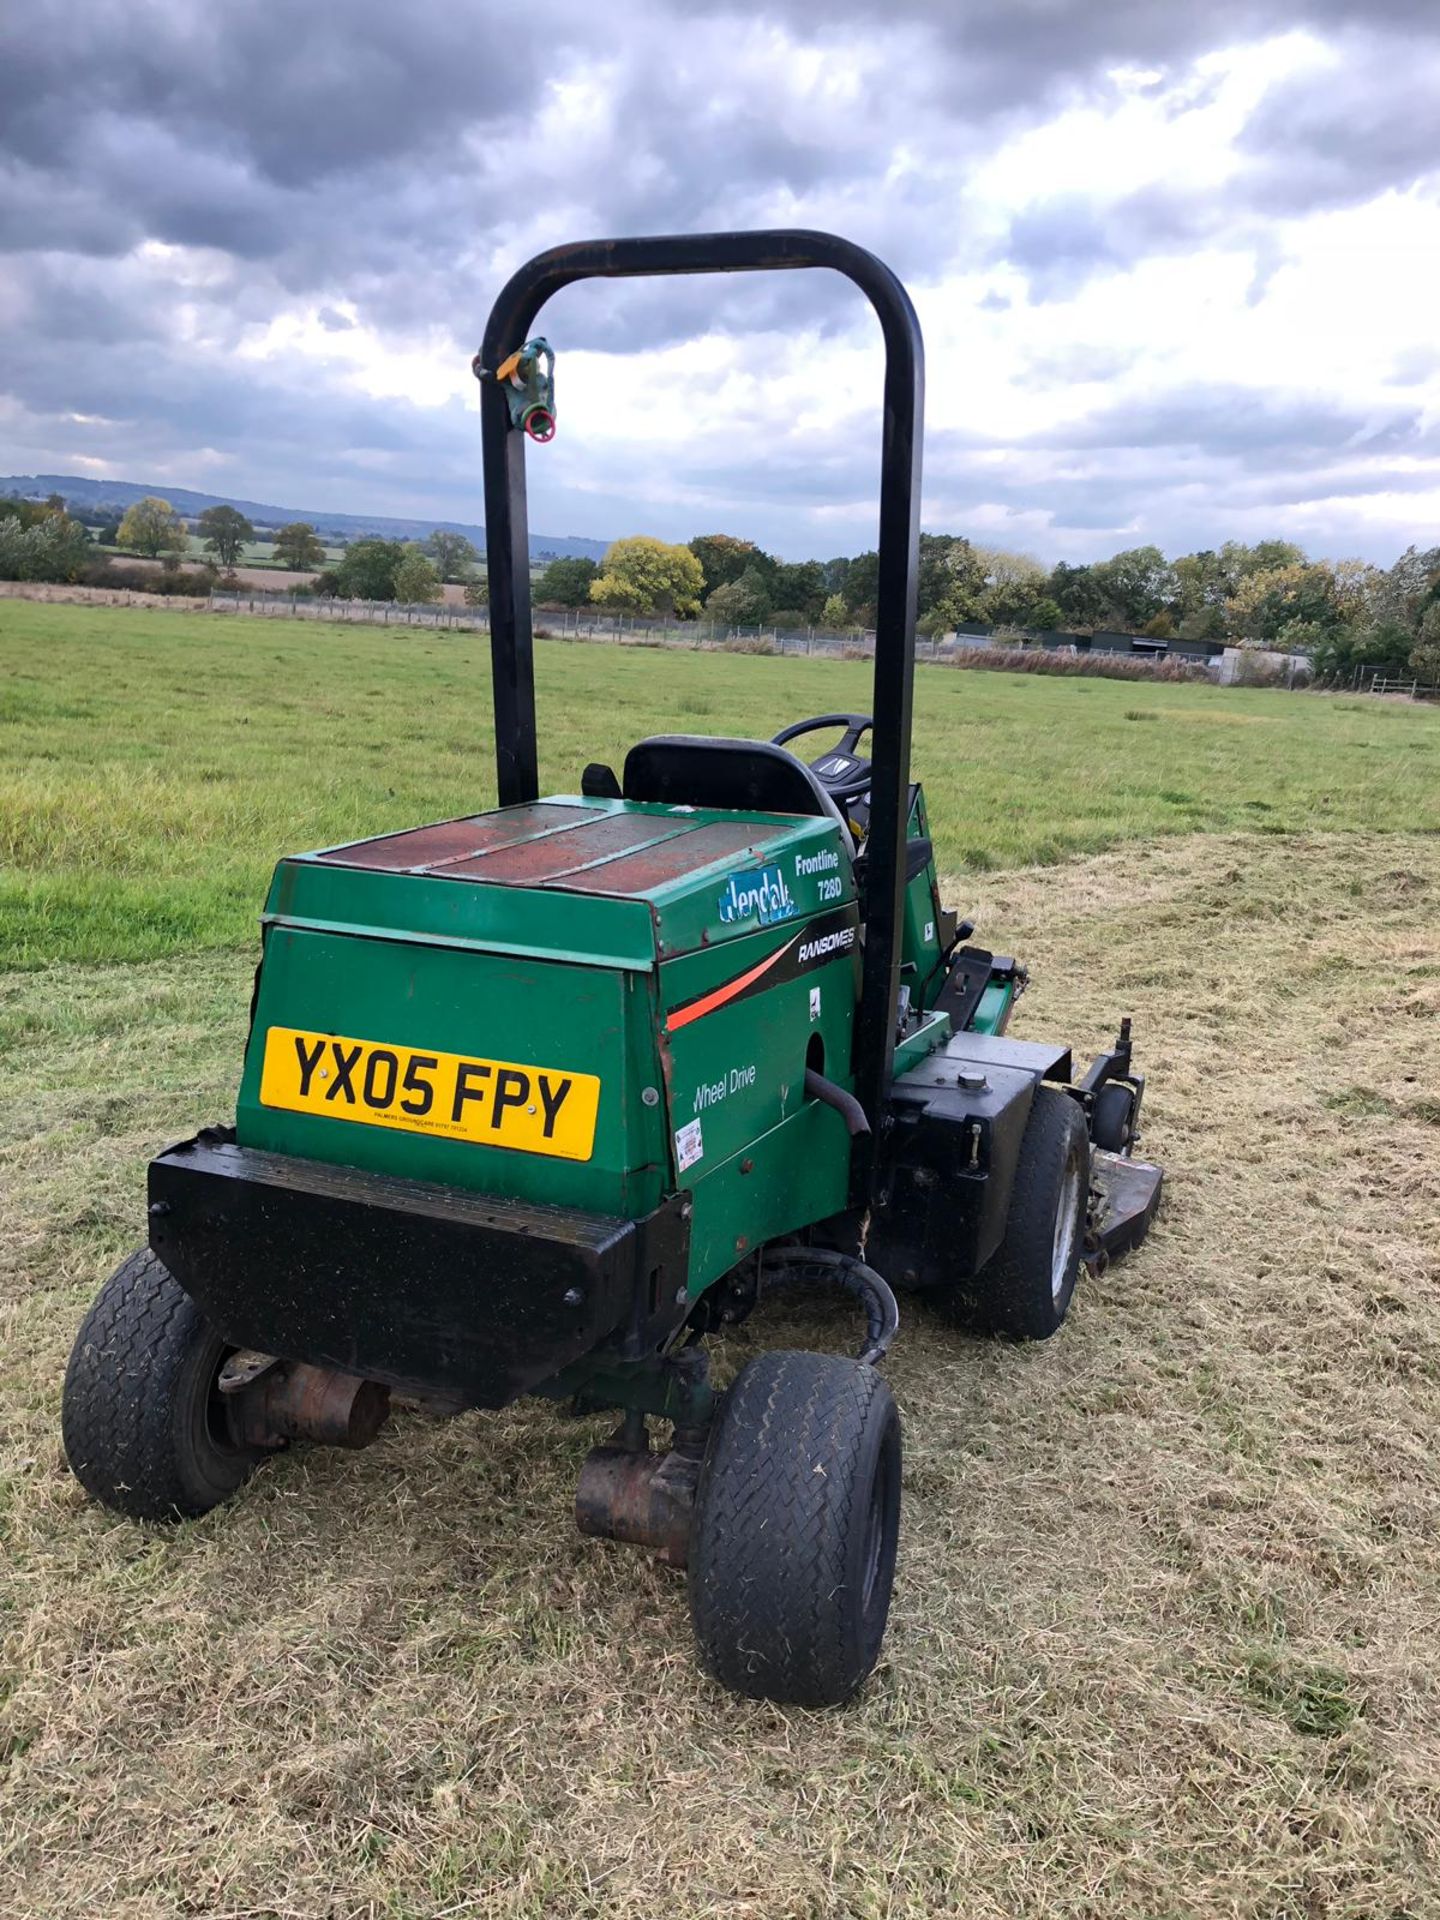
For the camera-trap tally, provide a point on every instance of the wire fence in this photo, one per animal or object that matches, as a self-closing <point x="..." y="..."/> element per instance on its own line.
<point x="575" y="623"/>
<point x="854" y="643"/>
<point x="1412" y="689"/>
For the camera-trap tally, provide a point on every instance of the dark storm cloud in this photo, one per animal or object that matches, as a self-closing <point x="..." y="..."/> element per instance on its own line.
<point x="1332" y="139"/>
<point x="1005" y="53"/>
<point x="356" y="155"/>
<point x="301" y="92"/>
<point x="353" y="145"/>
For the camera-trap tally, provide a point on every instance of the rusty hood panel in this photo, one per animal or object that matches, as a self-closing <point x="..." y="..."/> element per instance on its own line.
<point x="706" y="875"/>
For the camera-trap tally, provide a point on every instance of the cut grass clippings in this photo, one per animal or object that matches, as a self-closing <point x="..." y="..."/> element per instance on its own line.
<point x="1164" y="1633"/>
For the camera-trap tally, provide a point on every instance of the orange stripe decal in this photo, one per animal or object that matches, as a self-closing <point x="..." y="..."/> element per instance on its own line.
<point x="707" y="1003"/>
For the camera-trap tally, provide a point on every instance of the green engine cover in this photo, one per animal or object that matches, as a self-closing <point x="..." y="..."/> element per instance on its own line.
<point x="586" y="1003"/>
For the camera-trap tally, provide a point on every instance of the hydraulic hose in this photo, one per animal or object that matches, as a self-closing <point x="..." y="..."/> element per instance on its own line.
<point x="817" y="1087"/>
<point x="882" y="1311"/>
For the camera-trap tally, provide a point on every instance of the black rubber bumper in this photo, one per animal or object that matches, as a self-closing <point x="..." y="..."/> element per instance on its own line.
<point x="428" y="1288"/>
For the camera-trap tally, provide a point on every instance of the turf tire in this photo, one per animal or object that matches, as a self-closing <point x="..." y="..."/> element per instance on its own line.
<point x="141" y="1428"/>
<point x="797" y="1514"/>
<point x="1017" y="1295"/>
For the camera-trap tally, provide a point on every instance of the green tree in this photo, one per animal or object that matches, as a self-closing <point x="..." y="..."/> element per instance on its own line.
<point x="452" y="553"/>
<point x="642" y="575"/>
<point x="723" y="558"/>
<point x="1411" y="587"/>
<point x="1078" y="594"/>
<point x="225" y="531"/>
<point x="1425" y="654"/>
<point x="950" y="583"/>
<point x="152" y="526"/>
<point x="368" y="568"/>
<point x="799" y="586"/>
<point x="299" y="547"/>
<point x="1137" y="584"/>
<point x="862" y="584"/>
<point x="566" y="583"/>
<point x="47" y="546"/>
<point x="417" y="578"/>
<point x="1044" y="616"/>
<point x="1266" y="555"/>
<point x="1384" y="648"/>
<point x="1204" y="583"/>
<point x="834" y="614"/>
<point x="1013" y="582"/>
<point x="1309" y="595"/>
<point x="742" y="603"/>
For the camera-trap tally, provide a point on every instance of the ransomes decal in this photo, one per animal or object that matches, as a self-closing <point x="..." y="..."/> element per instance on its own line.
<point x="493" y="1103"/>
<point x="823" y="939"/>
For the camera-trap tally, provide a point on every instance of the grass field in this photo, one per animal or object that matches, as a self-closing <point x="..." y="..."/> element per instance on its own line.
<point x="1165" y="1627"/>
<point x="156" y="765"/>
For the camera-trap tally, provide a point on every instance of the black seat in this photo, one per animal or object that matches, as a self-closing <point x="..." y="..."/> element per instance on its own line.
<point x="755" y="776"/>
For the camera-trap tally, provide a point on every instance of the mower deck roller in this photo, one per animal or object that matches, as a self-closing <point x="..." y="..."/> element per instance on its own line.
<point x="536" y="1099"/>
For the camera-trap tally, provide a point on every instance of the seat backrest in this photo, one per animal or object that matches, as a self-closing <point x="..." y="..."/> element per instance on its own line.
<point x="697" y="770"/>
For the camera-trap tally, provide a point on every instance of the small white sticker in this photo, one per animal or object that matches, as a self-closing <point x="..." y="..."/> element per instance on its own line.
<point x="814" y="1003"/>
<point x="689" y="1144"/>
<point x="929" y="929"/>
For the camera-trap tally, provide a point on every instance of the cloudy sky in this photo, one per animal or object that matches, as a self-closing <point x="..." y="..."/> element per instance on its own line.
<point x="1177" y="267"/>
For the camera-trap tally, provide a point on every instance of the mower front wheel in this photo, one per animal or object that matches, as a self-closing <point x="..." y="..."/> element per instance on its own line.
<point x="1112" y="1124"/>
<point x="142" y="1418"/>
<point x="796" y="1522"/>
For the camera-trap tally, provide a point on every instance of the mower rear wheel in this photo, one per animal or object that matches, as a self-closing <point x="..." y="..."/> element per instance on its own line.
<point x="1024" y="1292"/>
<point x="796" y="1522"/>
<point x="143" y="1421"/>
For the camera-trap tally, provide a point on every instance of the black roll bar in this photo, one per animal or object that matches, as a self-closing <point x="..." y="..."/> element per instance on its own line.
<point x="507" y="544"/>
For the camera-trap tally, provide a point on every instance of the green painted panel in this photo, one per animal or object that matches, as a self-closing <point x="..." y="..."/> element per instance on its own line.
<point x="485" y="1006"/>
<point x="799" y="872"/>
<point x="592" y="930"/>
<point x="568" y="973"/>
<point x="739" y="1069"/>
<point x="994" y="1007"/>
<point x="799" y="1172"/>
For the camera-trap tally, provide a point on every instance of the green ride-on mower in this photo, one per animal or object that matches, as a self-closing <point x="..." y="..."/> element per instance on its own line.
<point x="536" y="1099"/>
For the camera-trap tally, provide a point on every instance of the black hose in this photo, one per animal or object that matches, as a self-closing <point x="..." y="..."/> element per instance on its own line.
<point x="882" y="1310"/>
<point x="817" y="1087"/>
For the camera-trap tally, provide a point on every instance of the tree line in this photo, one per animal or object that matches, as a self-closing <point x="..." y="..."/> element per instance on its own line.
<point x="1343" y="614"/>
<point x="43" y="541"/>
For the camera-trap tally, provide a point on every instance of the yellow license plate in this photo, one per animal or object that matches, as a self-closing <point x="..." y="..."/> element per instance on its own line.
<point x="494" y="1103"/>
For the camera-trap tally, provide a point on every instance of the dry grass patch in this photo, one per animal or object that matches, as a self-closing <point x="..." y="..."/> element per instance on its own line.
<point x="1164" y="1637"/>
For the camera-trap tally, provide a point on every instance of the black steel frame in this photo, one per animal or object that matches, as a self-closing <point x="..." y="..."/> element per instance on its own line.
<point x="507" y="542"/>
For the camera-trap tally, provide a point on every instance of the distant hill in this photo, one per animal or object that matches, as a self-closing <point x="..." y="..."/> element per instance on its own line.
<point x="93" y="494"/>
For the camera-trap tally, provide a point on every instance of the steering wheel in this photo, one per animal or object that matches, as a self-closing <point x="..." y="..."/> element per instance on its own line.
<point x="842" y="772"/>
